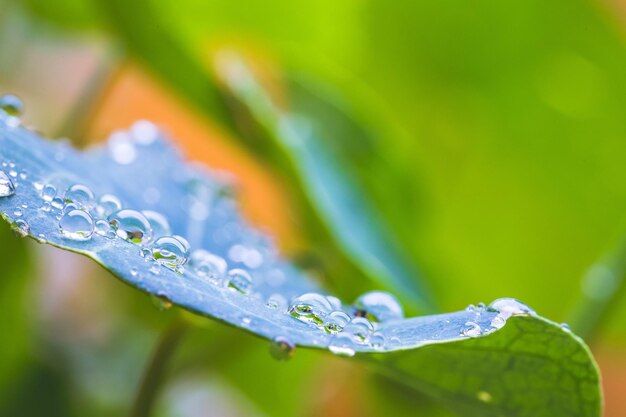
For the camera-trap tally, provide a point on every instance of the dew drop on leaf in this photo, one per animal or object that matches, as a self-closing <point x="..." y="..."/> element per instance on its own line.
<point x="170" y="251"/>
<point x="11" y="105"/>
<point x="471" y="329"/>
<point x="107" y="205"/>
<point x="21" y="228"/>
<point x="310" y="308"/>
<point x="379" y="306"/>
<point x="161" y="301"/>
<point x="507" y="307"/>
<point x="76" y="224"/>
<point x="131" y="226"/>
<point x="359" y="329"/>
<point x="240" y="281"/>
<point x="79" y="194"/>
<point x="342" y="345"/>
<point x="281" y="348"/>
<point x="336" y="321"/>
<point x="7" y="188"/>
<point x="158" y="222"/>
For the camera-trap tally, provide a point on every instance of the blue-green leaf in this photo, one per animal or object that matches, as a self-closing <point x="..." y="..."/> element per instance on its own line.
<point x="470" y="359"/>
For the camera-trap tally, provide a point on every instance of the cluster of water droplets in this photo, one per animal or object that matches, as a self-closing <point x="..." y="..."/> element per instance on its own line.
<point x="82" y="216"/>
<point x="352" y="326"/>
<point x="503" y="307"/>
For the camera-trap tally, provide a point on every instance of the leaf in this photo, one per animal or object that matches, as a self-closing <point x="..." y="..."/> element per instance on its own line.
<point x="146" y="173"/>
<point x="340" y="204"/>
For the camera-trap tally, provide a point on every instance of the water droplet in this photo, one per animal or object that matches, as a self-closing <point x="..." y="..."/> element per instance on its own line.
<point x="379" y="306"/>
<point x="377" y="341"/>
<point x="107" y="205"/>
<point x="23" y="175"/>
<point x="6" y="185"/>
<point x="76" y="225"/>
<point x="566" y="327"/>
<point x="103" y="228"/>
<point x="336" y="321"/>
<point x="161" y="301"/>
<point x="507" y="307"/>
<point x="498" y="322"/>
<point x="471" y="329"/>
<point x="20" y="228"/>
<point x="393" y="343"/>
<point x="310" y="308"/>
<point x="48" y="192"/>
<point x="158" y="222"/>
<point x="281" y="348"/>
<point x="133" y="272"/>
<point x="79" y="194"/>
<point x="240" y="280"/>
<point x="17" y="212"/>
<point x="41" y="238"/>
<point x="342" y="345"/>
<point x="11" y="105"/>
<point x="155" y="269"/>
<point x="207" y="265"/>
<point x="170" y="251"/>
<point x="246" y="321"/>
<point x="131" y="226"/>
<point x="57" y="203"/>
<point x="360" y="329"/>
<point x="13" y="173"/>
<point x="276" y="301"/>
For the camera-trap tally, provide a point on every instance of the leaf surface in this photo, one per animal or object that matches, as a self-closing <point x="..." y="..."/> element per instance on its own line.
<point x="461" y="358"/>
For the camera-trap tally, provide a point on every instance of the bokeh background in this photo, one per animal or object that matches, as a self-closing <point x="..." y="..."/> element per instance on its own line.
<point x="495" y="155"/>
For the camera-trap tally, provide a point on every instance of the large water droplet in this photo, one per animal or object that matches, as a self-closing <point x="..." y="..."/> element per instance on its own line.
<point x="342" y="345"/>
<point x="282" y="348"/>
<point x="336" y="321"/>
<point x="310" y="308"/>
<point x="48" y="192"/>
<point x="207" y="265"/>
<point x="79" y="194"/>
<point x="131" y="226"/>
<point x="20" y="228"/>
<point x="240" y="280"/>
<point x="377" y="341"/>
<point x="360" y="329"/>
<point x="76" y="224"/>
<point x="103" y="228"/>
<point x="11" y="105"/>
<point x="107" y="205"/>
<point x="507" y="307"/>
<point x="6" y="185"/>
<point x="471" y="329"/>
<point x="158" y="222"/>
<point x="379" y="306"/>
<point x="170" y="251"/>
<point x="161" y="301"/>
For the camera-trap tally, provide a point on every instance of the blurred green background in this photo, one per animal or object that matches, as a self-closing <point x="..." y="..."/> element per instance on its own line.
<point x="495" y="154"/>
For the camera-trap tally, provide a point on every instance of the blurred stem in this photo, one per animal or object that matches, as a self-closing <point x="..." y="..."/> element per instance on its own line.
<point x="156" y="367"/>
<point x="96" y="89"/>
<point x="602" y="287"/>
